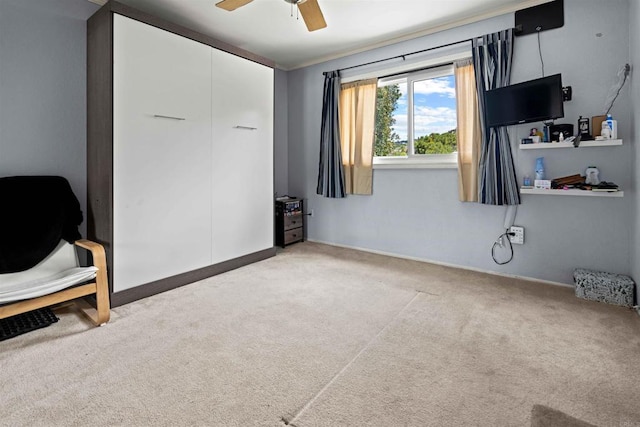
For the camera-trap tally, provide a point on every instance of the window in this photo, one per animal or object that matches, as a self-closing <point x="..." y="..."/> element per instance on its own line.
<point x="416" y="118"/>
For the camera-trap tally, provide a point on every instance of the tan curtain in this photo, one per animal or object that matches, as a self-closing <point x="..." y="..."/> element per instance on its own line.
<point x="469" y="131"/>
<point x="357" y="127"/>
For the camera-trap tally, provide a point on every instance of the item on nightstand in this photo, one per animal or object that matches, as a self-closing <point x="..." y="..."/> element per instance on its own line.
<point x="591" y="176"/>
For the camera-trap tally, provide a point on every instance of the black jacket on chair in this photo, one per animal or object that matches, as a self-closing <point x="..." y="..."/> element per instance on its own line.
<point x="36" y="212"/>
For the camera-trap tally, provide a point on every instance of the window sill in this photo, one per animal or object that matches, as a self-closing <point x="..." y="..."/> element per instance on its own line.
<point x="446" y="162"/>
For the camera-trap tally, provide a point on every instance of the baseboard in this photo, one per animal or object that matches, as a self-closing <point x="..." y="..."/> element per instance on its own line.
<point x="153" y="288"/>
<point x="445" y="264"/>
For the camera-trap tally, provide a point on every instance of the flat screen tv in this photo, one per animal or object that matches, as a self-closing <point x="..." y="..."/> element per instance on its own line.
<point x="532" y="101"/>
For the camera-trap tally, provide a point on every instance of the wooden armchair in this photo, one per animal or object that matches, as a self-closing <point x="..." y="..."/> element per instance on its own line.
<point x="99" y="313"/>
<point x="39" y="238"/>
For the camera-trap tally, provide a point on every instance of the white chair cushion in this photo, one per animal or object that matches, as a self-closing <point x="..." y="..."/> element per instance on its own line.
<point x="57" y="271"/>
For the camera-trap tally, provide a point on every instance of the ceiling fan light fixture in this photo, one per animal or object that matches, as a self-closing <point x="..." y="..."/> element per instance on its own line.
<point x="309" y="9"/>
<point x="231" y="5"/>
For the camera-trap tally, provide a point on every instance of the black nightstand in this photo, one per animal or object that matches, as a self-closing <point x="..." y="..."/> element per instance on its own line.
<point x="289" y="221"/>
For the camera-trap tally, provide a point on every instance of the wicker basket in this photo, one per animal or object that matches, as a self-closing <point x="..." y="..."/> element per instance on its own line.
<point x="604" y="287"/>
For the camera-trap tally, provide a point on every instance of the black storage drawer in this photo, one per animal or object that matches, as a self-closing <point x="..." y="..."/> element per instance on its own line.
<point x="292" y="236"/>
<point x="294" y="221"/>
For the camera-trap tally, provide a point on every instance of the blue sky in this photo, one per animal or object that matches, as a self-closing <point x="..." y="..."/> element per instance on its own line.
<point x="434" y="107"/>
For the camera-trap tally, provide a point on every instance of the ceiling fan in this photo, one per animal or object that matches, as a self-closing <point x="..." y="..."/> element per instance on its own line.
<point x="309" y="9"/>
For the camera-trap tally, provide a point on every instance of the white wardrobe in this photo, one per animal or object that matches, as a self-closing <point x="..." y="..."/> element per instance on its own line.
<point x="191" y="176"/>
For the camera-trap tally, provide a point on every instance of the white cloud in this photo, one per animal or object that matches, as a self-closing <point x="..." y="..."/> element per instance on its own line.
<point x="440" y="86"/>
<point x="427" y="120"/>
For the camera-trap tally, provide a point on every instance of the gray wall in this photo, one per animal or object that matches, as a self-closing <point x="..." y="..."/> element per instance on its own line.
<point x="416" y="213"/>
<point x="42" y="89"/>
<point x="634" y="21"/>
<point x="281" y="126"/>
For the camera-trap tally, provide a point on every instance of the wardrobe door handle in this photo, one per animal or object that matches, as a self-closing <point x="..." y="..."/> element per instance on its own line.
<point x="245" y="127"/>
<point x="160" y="116"/>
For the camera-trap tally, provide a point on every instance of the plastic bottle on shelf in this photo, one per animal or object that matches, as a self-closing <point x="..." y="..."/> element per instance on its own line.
<point x="605" y="132"/>
<point x="540" y="168"/>
<point x="613" y="127"/>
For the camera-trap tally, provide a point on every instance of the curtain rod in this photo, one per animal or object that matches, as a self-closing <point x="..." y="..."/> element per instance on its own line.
<point x="405" y="55"/>
<point x="409" y="54"/>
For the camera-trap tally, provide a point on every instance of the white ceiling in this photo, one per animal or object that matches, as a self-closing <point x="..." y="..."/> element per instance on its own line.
<point x="266" y="27"/>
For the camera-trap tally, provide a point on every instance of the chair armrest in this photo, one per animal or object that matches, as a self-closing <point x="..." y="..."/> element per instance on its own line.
<point x="102" y="286"/>
<point x="97" y="251"/>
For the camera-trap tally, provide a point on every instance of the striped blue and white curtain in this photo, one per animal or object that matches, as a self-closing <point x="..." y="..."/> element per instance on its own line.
<point x="330" y="171"/>
<point x="498" y="184"/>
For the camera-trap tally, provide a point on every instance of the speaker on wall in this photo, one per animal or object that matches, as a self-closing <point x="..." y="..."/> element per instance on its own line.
<point x="543" y="17"/>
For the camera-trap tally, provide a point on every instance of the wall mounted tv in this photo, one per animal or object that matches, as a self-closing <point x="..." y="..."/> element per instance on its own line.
<point x="532" y="101"/>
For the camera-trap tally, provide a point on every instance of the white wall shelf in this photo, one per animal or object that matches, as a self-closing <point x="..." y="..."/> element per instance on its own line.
<point x="586" y="144"/>
<point x="572" y="192"/>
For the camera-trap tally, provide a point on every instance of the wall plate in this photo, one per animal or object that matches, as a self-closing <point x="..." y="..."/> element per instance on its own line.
<point x="518" y="239"/>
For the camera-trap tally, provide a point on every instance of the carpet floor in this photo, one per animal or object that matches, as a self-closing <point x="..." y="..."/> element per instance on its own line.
<point x="325" y="336"/>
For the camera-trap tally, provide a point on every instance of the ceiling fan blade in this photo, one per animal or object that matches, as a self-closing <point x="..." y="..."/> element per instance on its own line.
<point x="232" y="4"/>
<point x="312" y="15"/>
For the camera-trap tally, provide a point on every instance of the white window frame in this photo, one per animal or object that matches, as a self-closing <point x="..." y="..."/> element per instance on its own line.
<point x="413" y="160"/>
<point x="416" y="161"/>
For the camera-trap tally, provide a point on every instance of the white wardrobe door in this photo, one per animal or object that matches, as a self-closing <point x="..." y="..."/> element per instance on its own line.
<point x="162" y="152"/>
<point x="242" y="105"/>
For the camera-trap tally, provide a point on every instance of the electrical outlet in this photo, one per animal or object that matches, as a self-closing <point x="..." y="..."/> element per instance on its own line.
<point x="518" y="239"/>
<point x="311" y="212"/>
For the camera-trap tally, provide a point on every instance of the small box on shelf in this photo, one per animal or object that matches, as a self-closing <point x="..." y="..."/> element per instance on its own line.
<point x="542" y="184"/>
<point x="596" y="124"/>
